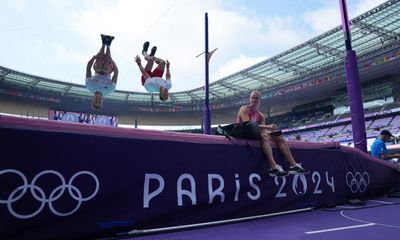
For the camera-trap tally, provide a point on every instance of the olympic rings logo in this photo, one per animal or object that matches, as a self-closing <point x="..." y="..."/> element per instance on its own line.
<point x="357" y="182"/>
<point x="40" y="195"/>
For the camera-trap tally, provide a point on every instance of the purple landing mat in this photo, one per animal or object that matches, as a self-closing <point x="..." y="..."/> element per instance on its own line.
<point x="74" y="181"/>
<point x="378" y="219"/>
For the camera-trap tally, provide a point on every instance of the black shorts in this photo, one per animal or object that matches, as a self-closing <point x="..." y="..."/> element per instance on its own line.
<point x="246" y="130"/>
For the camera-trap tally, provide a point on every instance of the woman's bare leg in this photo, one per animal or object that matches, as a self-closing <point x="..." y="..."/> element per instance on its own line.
<point x="266" y="147"/>
<point x="284" y="148"/>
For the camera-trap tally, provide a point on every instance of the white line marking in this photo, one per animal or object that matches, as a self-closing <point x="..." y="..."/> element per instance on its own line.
<point x="345" y="207"/>
<point x="340" y="228"/>
<point x="381" y="202"/>
<point x="207" y="224"/>
<point x="359" y="220"/>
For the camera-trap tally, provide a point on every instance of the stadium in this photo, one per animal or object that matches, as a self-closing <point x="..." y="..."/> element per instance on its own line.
<point x="301" y="87"/>
<point x="304" y="92"/>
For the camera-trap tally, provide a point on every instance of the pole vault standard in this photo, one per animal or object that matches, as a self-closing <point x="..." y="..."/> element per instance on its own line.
<point x="206" y="110"/>
<point x="353" y="85"/>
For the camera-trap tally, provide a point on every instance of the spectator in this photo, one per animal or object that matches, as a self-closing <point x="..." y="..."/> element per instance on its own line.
<point x="378" y="148"/>
<point x="81" y="118"/>
<point x="58" y="115"/>
<point x="298" y="137"/>
<point x="113" y="121"/>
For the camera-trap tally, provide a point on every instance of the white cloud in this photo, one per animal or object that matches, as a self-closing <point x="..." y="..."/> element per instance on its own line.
<point x="236" y="65"/>
<point x="18" y="5"/>
<point x="63" y="53"/>
<point x="170" y="26"/>
<point x="328" y="16"/>
<point x="282" y="32"/>
<point x="177" y="28"/>
<point x="365" y="5"/>
<point x="324" y="18"/>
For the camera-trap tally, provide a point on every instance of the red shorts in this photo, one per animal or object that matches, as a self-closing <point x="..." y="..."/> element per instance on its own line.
<point x="156" y="73"/>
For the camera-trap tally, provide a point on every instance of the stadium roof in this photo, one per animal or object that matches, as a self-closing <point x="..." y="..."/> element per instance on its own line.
<point x="372" y="32"/>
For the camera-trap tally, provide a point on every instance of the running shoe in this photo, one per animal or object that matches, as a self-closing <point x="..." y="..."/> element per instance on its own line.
<point x="145" y="48"/>
<point x="103" y="38"/>
<point x="277" y="171"/>
<point x="153" y="51"/>
<point x="109" y="40"/>
<point x="298" y="169"/>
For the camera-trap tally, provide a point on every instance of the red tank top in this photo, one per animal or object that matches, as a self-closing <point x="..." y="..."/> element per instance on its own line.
<point x="253" y="116"/>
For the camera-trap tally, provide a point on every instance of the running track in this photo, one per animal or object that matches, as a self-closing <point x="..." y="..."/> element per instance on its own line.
<point x="378" y="219"/>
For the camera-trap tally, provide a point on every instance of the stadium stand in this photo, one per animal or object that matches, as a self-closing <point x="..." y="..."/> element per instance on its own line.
<point x="303" y="87"/>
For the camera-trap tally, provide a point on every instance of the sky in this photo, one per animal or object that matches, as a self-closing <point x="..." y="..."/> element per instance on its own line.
<point x="56" y="38"/>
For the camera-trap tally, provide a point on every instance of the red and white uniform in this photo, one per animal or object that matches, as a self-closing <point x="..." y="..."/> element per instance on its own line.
<point x="254" y="116"/>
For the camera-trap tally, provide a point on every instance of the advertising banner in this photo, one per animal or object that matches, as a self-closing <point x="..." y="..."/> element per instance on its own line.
<point x="70" y="183"/>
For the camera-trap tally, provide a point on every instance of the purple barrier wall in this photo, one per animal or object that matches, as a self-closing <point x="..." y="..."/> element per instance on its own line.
<point x="66" y="180"/>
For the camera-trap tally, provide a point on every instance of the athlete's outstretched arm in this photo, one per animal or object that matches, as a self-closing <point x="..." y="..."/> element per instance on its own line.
<point x="243" y="114"/>
<point x="115" y="76"/>
<point x="89" y="67"/>
<point x="139" y="63"/>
